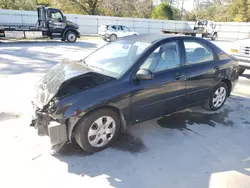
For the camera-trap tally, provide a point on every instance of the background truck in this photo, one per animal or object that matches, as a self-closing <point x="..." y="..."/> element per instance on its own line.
<point x="202" y="28"/>
<point x="51" y="23"/>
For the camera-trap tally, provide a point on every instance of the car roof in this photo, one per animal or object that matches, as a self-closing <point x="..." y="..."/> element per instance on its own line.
<point x="151" y="38"/>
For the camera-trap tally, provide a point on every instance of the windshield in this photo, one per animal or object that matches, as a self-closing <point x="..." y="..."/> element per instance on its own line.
<point x="117" y="57"/>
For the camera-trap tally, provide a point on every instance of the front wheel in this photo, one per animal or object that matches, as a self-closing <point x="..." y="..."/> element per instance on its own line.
<point x="71" y="36"/>
<point x="217" y="97"/>
<point x="97" y="130"/>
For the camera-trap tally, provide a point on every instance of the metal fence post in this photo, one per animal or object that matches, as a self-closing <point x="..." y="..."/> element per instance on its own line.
<point x="97" y="25"/>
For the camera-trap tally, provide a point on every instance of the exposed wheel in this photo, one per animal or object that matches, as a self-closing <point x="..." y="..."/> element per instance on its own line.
<point x="71" y="36"/>
<point x="113" y="38"/>
<point x="241" y="71"/>
<point x="98" y="130"/>
<point x="214" y="37"/>
<point x="217" y="97"/>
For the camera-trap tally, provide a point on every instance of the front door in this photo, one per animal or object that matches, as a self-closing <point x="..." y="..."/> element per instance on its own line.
<point x="165" y="92"/>
<point x="56" y="23"/>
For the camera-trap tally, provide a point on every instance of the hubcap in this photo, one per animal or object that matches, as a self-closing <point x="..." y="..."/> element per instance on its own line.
<point x="101" y="131"/>
<point x="71" y="37"/>
<point x="219" y="97"/>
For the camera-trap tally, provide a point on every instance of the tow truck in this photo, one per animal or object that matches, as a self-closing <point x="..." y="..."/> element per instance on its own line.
<point x="202" y="28"/>
<point x="51" y="23"/>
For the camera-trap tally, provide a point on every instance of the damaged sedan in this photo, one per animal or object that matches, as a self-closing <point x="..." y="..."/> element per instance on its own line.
<point x="131" y="80"/>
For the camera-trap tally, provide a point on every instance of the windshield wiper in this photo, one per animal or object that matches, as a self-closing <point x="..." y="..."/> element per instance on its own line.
<point x="91" y="66"/>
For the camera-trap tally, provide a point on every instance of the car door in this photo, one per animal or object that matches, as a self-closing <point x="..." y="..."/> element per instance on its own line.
<point x="120" y="32"/>
<point x="165" y="92"/>
<point x="56" y="24"/>
<point x="201" y="68"/>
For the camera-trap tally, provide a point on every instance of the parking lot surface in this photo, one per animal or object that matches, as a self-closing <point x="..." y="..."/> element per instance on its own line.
<point x="193" y="148"/>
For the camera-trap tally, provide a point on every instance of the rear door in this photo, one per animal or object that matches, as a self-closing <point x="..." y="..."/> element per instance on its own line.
<point x="166" y="91"/>
<point x="202" y="70"/>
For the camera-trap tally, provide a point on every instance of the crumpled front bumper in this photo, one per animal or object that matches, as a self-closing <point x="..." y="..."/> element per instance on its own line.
<point x="47" y="125"/>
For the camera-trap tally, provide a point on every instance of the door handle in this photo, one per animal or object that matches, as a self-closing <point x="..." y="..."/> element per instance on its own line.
<point x="216" y="67"/>
<point x="178" y="76"/>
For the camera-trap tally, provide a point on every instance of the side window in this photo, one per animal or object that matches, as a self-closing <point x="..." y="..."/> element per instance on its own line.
<point x="56" y="15"/>
<point x="165" y="57"/>
<point x="197" y="52"/>
<point x="113" y="27"/>
<point x="125" y="29"/>
<point x="119" y="28"/>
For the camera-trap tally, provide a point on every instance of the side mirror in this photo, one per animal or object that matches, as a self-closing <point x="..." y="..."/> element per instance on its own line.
<point x="59" y="19"/>
<point x="144" y="74"/>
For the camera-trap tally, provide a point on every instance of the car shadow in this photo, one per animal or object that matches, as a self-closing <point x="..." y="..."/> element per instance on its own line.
<point x="161" y="156"/>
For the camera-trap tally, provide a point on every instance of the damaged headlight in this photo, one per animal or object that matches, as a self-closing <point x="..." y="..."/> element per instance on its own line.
<point x="52" y="106"/>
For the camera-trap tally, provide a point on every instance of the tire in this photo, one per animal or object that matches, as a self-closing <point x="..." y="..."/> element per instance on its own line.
<point x="214" y="37"/>
<point x="87" y="135"/>
<point x="210" y="103"/>
<point x="113" y="38"/>
<point x="241" y="71"/>
<point x="63" y="40"/>
<point x="71" y="36"/>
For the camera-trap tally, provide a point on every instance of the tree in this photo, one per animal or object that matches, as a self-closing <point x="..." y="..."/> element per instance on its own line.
<point x="239" y="10"/>
<point x="163" y="11"/>
<point x="18" y="4"/>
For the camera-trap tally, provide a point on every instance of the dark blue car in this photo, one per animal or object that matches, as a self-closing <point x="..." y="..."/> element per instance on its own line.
<point x="131" y="80"/>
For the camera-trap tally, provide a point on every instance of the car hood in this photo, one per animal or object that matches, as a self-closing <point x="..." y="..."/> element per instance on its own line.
<point x="67" y="78"/>
<point x="69" y="23"/>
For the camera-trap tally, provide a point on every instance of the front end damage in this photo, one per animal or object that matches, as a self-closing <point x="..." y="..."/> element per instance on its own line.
<point x="46" y="125"/>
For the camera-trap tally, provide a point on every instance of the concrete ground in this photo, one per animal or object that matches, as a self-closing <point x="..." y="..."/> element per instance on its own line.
<point x="192" y="148"/>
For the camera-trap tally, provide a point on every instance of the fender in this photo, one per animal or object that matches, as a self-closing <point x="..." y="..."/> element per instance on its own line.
<point x="72" y="121"/>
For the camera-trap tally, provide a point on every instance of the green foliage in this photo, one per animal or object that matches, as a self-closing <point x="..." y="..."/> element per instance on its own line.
<point x="239" y="10"/>
<point x="163" y="11"/>
<point x="18" y="4"/>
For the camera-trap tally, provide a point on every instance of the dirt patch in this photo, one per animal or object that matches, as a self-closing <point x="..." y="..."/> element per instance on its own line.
<point x="180" y="120"/>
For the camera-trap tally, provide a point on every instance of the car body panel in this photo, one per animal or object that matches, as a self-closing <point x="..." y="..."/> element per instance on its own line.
<point x="105" y="31"/>
<point x="139" y="100"/>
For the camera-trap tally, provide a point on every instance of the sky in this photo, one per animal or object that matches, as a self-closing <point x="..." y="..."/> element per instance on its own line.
<point x="188" y="4"/>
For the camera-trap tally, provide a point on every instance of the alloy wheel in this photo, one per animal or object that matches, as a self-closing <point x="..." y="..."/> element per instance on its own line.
<point x="101" y="131"/>
<point x="219" y="97"/>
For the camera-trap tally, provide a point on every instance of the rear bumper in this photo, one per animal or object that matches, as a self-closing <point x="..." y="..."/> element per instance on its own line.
<point x="244" y="62"/>
<point x="106" y="36"/>
<point x="48" y="126"/>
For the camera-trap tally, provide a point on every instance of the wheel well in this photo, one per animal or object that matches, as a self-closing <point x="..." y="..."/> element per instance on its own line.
<point x="229" y="85"/>
<point x="116" y="110"/>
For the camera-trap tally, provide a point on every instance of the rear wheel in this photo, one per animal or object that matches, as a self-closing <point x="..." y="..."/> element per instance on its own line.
<point x="241" y="71"/>
<point x="113" y="38"/>
<point x="71" y="36"/>
<point x="98" y="130"/>
<point x="217" y="97"/>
